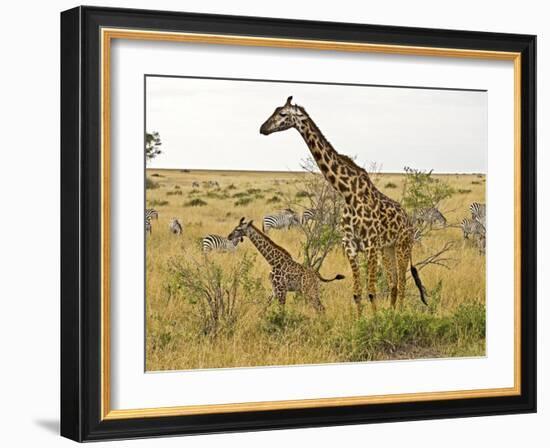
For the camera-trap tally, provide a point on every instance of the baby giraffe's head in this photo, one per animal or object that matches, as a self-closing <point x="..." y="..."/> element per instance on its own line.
<point x="239" y="232"/>
<point x="283" y="118"/>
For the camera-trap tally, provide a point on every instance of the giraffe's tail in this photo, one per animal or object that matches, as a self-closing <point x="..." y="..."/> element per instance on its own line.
<point x="336" y="277"/>
<point x="418" y="283"/>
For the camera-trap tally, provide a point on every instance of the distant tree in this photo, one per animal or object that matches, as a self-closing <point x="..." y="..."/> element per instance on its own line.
<point x="152" y="145"/>
<point x="422" y="190"/>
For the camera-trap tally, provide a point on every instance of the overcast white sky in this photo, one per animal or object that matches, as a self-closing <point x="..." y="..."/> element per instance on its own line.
<point x="214" y="124"/>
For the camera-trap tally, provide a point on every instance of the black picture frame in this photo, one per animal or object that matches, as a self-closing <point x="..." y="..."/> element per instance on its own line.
<point x="81" y="224"/>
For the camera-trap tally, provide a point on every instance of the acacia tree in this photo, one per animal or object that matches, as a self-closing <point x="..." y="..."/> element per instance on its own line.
<point x="152" y="145"/>
<point x="322" y="232"/>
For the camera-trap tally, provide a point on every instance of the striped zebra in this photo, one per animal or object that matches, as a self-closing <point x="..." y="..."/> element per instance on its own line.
<point x="150" y="213"/>
<point x="471" y="227"/>
<point x="309" y="214"/>
<point x="217" y="243"/>
<point x="175" y="226"/>
<point x="283" y="220"/>
<point x="430" y="216"/>
<point x="478" y="212"/>
<point x="195" y="184"/>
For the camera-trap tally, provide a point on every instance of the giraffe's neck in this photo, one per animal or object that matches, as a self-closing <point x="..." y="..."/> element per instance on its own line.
<point x="265" y="246"/>
<point x="336" y="168"/>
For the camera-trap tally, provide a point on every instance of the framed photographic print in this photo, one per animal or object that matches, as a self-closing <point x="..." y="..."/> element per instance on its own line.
<point x="273" y="223"/>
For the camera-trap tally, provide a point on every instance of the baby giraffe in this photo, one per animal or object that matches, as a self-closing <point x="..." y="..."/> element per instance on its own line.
<point x="286" y="274"/>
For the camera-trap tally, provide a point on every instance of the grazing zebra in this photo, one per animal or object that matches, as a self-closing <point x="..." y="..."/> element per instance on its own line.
<point x="148" y="227"/>
<point x="284" y="220"/>
<point x="478" y="211"/>
<point x="175" y="226"/>
<point x="195" y="184"/>
<point x="430" y="216"/>
<point x="218" y="243"/>
<point x="472" y="227"/>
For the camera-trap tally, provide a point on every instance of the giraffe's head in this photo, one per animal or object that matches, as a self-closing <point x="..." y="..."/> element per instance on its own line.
<point x="238" y="233"/>
<point x="283" y="118"/>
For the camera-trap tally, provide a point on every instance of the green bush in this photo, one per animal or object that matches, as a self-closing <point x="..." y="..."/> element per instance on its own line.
<point x="243" y="201"/>
<point x="157" y="203"/>
<point x="464" y="190"/>
<point x="303" y="194"/>
<point x="197" y="202"/>
<point x="150" y="184"/>
<point x="279" y="319"/>
<point x="274" y="200"/>
<point x="389" y="331"/>
<point x="422" y="190"/>
<point x="390" y="185"/>
<point x="172" y="193"/>
<point x="220" y="295"/>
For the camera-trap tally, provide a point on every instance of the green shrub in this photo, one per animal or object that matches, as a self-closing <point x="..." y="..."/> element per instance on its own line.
<point x="157" y="203"/>
<point x="243" y="201"/>
<point x="279" y="319"/>
<point x="476" y="182"/>
<point x="274" y="200"/>
<point x="156" y="175"/>
<point x="390" y="185"/>
<point x="389" y="331"/>
<point x="197" y="202"/>
<point x="303" y="194"/>
<point x="422" y="190"/>
<point x="220" y="295"/>
<point x="172" y="193"/>
<point x="151" y="184"/>
<point x="464" y="190"/>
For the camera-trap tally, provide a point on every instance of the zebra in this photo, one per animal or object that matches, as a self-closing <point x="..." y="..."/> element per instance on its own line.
<point x="175" y="226"/>
<point x="195" y="184"/>
<point x="218" y="243"/>
<point x="471" y="227"/>
<point x="150" y="213"/>
<point x="283" y="220"/>
<point x="309" y="214"/>
<point x="430" y="216"/>
<point x="478" y="211"/>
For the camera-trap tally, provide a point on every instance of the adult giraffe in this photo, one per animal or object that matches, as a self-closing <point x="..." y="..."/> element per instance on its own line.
<point x="371" y="223"/>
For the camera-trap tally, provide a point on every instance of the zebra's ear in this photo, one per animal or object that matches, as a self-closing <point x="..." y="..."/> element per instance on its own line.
<point x="288" y="100"/>
<point x="241" y="221"/>
<point x="249" y="223"/>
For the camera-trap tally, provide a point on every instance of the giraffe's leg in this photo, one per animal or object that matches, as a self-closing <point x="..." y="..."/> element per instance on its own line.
<point x="390" y="269"/>
<point x="403" y="257"/>
<point x="315" y="297"/>
<point x="351" y="254"/>
<point x="279" y="289"/>
<point x="372" y="271"/>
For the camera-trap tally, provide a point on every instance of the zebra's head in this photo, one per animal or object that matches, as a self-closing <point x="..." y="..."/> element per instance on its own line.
<point x="283" y="118"/>
<point x="238" y="233"/>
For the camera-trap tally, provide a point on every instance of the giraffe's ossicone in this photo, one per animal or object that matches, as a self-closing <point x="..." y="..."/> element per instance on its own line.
<point x="372" y="223"/>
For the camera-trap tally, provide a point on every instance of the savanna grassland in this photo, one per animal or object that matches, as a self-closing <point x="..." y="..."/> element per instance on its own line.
<point x="251" y="332"/>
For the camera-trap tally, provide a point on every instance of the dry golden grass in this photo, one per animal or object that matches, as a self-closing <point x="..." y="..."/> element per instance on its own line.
<point x="173" y="342"/>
